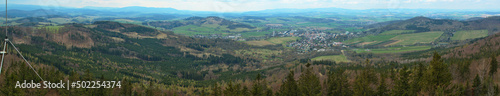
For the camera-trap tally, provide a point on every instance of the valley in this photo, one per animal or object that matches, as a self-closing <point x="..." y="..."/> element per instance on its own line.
<point x="322" y="52"/>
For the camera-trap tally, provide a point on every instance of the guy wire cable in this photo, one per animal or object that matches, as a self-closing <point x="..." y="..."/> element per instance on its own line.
<point x="18" y="52"/>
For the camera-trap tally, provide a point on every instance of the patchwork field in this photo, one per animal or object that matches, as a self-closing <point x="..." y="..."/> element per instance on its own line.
<point x="396" y="32"/>
<point x="371" y="39"/>
<point x="60" y="20"/>
<point x="409" y="39"/>
<point x="336" y="58"/>
<point x="273" y="41"/>
<point x="128" y="21"/>
<point x="469" y="34"/>
<point x="259" y="43"/>
<point x="393" y="49"/>
<point x="191" y="30"/>
<point x="52" y="29"/>
<point x="282" y="40"/>
<point x="254" y="34"/>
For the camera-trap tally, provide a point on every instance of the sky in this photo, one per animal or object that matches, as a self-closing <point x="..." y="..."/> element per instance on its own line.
<point x="256" y="5"/>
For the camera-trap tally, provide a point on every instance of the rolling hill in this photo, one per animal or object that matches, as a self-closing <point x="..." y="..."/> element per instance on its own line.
<point x="201" y="25"/>
<point x="132" y="51"/>
<point x="427" y="31"/>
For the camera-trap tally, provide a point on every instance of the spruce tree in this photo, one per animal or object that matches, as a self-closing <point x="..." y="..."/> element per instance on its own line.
<point x="493" y="65"/>
<point x="289" y="87"/>
<point x="401" y="84"/>
<point x="309" y="83"/>
<point x="216" y="91"/>
<point x="363" y="80"/>
<point x="476" y="84"/>
<point x="337" y="84"/>
<point x="438" y="74"/>
<point x="382" y="88"/>
<point x="416" y="79"/>
<point x="258" y="86"/>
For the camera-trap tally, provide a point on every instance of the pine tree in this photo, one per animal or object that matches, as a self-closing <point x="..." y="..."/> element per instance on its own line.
<point x="245" y="90"/>
<point x="416" y="79"/>
<point x="216" y="91"/>
<point x="493" y="65"/>
<point x="101" y="90"/>
<point x="363" y="80"/>
<point x="289" y="87"/>
<point x="232" y="89"/>
<point x="309" y="83"/>
<point x="126" y="88"/>
<point x="438" y="74"/>
<point x="402" y="85"/>
<point x="337" y="84"/>
<point x="258" y="86"/>
<point x="476" y="84"/>
<point x="382" y="88"/>
<point x="151" y="89"/>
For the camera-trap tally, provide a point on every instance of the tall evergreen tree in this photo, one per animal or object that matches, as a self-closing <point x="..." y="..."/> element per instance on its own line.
<point x="363" y="80"/>
<point x="289" y="87"/>
<point x="438" y="74"/>
<point x="337" y="84"/>
<point x="216" y="91"/>
<point x="382" y="88"/>
<point x="402" y="83"/>
<point x="126" y="89"/>
<point x="308" y="83"/>
<point x="476" y="84"/>
<point x="416" y="79"/>
<point x="232" y="89"/>
<point x="493" y="65"/>
<point x="258" y="86"/>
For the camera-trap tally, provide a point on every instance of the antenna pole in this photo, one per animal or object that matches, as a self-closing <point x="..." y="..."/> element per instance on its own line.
<point x="6" y="26"/>
<point x="8" y="41"/>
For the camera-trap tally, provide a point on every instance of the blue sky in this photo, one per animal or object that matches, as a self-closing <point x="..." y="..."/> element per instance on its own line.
<point x="255" y="5"/>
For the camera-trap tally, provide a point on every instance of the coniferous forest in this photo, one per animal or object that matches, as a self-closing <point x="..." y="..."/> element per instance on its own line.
<point x="274" y="48"/>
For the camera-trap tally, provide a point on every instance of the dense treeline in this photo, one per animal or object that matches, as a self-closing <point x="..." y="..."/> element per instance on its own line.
<point x="434" y="79"/>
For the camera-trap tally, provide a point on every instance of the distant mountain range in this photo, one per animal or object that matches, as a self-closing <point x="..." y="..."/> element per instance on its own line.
<point x="36" y="10"/>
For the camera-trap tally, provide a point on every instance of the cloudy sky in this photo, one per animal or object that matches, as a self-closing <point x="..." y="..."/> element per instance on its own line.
<point x="255" y="5"/>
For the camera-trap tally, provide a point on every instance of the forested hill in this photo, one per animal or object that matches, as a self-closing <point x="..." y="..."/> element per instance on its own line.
<point x="118" y="51"/>
<point x="424" y="24"/>
<point x="211" y="21"/>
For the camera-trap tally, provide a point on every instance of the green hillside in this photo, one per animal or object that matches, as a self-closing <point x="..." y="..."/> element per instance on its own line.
<point x="469" y="34"/>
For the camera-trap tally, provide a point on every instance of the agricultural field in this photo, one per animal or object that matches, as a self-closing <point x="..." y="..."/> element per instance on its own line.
<point x="60" y="20"/>
<point x="410" y="39"/>
<point x="272" y="41"/>
<point x="371" y="39"/>
<point x="128" y="21"/>
<point x="393" y="49"/>
<point x="469" y="34"/>
<point x="191" y="30"/>
<point x="396" y="32"/>
<point x="259" y="43"/>
<point x="53" y="29"/>
<point x="282" y="40"/>
<point x="254" y="34"/>
<point x="336" y="58"/>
